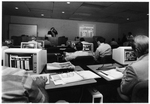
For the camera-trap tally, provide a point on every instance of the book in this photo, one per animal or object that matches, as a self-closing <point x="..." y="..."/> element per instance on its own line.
<point x="111" y="74"/>
<point x="74" y="76"/>
<point x="58" y="65"/>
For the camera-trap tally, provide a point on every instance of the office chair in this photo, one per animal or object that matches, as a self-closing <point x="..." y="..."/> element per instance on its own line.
<point x="139" y="93"/>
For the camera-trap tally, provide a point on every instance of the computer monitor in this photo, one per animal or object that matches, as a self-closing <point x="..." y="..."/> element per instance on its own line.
<point x="28" y="45"/>
<point x="73" y="43"/>
<point x="87" y="46"/>
<point x="124" y="55"/>
<point x="41" y="42"/>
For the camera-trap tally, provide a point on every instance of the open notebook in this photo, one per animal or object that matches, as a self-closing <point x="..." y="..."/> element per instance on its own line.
<point x="73" y="77"/>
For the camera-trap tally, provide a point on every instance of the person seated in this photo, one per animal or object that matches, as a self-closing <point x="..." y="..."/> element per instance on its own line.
<point x="113" y="43"/>
<point x="79" y="52"/>
<point x="129" y="40"/>
<point x="33" y="40"/>
<point x="77" y="39"/>
<point x="47" y="43"/>
<point x="103" y="49"/>
<point x="138" y="70"/>
<point x="19" y="87"/>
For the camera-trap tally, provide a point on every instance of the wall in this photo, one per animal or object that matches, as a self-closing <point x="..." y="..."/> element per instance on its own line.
<point x="139" y="27"/>
<point x="5" y="25"/>
<point x="68" y="28"/>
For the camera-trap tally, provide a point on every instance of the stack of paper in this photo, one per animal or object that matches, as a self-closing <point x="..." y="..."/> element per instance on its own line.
<point x="57" y="66"/>
<point x="111" y="74"/>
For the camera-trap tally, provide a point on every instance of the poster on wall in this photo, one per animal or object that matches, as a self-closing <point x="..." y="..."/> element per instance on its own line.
<point x="86" y="30"/>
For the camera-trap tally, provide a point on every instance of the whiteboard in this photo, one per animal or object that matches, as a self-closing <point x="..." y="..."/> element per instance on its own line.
<point x="22" y="29"/>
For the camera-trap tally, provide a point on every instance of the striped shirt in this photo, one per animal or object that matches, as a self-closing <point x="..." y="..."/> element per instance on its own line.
<point x="18" y="87"/>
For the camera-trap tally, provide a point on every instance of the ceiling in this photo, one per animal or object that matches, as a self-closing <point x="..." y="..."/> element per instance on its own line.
<point x="108" y="12"/>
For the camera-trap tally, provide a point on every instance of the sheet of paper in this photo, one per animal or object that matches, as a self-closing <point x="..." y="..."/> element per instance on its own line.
<point x="111" y="74"/>
<point x="70" y="77"/>
<point x="114" y="73"/>
<point x="57" y="79"/>
<point x="34" y="76"/>
<point x="57" y="66"/>
<point x="120" y="69"/>
<point x="88" y="74"/>
<point x="66" y="78"/>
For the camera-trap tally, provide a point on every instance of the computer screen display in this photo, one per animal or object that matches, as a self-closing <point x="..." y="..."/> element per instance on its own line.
<point x="28" y="45"/>
<point x="88" y="47"/>
<point x="129" y="55"/>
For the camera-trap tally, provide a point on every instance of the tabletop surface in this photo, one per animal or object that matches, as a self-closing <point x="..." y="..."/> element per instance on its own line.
<point x="51" y="84"/>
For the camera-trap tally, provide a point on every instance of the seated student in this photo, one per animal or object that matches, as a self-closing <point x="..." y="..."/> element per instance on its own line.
<point x="18" y="87"/>
<point x="129" y="40"/>
<point x="79" y="52"/>
<point x="137" y="71"/>
<point x="33" y="39"/>
<point x="47" y="43"/>
<point x="103" y="49"/>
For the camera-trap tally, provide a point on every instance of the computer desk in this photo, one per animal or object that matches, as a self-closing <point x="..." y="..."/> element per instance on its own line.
<point x="95" y="69"/>
<point x="51" y="84"/>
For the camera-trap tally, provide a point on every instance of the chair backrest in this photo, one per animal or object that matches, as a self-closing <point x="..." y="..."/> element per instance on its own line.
<point x="140" y="92"/>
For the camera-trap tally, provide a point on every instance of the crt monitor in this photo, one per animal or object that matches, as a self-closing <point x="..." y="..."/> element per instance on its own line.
<point x="124" y="55"/>
<point x="28" y="45"/>
<point x="41" y="42"/>
<point x="88" y="47"/>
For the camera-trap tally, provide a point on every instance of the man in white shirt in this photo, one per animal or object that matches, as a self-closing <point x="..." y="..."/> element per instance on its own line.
<point x="79" y="52"/>
<point x="33" y="40"/>
<point x="103" y="49"/>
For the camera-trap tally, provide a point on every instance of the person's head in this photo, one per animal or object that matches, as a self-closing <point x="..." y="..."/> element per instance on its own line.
<point x="140" y="45"/>
<point x="77" y="38"/>
<point x="33" y="38"/>
<point x="100" y="40"/>
<point x="46" y="38"/>
<point x="79" y="46"/>
<point x="82" y="39"/>
<point x="113" y="39"/>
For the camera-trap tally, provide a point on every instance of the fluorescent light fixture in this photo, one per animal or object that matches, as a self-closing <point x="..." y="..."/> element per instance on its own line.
<point x="42" y="14"/>
<point x="68" y="2"/>
<point x="16" y="8"/>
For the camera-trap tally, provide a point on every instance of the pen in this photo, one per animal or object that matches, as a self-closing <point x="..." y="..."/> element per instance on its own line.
<point x="104" y="73"/>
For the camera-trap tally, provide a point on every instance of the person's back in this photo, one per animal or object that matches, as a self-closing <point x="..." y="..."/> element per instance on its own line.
<point x="137" y="71"/>
<point x="47" y="43"/>
<point x="103" y="49"/>
<point x="33" y="40"/>
<point x="79" y="52"/>
<point x="19" y="87"/>
<point x="113" y="42"/>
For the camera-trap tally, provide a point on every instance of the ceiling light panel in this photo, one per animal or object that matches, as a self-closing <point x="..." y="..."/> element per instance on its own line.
<point x="94" y="6"/>
<point x="40" y="5"/>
